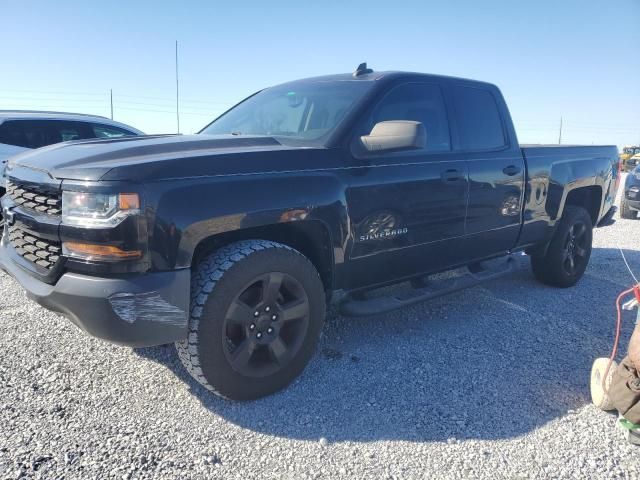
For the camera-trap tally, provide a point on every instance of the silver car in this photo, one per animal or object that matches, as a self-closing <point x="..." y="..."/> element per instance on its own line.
<point x="22" y="130"/>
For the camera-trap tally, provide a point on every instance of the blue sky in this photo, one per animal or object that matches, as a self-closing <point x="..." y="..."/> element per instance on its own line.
<point x="575" y="59"/>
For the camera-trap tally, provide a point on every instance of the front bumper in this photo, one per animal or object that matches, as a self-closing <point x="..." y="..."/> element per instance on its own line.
<point x="137" y="310"/>
<point x="632" y="192"/>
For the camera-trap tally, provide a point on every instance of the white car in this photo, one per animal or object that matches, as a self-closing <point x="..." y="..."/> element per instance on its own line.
<point x="23" y="130"/>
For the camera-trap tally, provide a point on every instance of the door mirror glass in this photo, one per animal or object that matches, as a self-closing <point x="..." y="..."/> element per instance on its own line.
<point x="395" y="135"/>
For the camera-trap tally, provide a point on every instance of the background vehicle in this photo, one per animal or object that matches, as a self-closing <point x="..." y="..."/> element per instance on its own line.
<point x="230" y="242"/>
<point x="625" y="156"/>
<point x="22" y="130"/>
<point x="632" y="162"/>
<point x="630" y="203"/>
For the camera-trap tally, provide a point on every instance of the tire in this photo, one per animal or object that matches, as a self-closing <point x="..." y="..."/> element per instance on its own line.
<point x="626" y="211"/>
<point x="568" y="253"/>
<point x="257" y="311"/>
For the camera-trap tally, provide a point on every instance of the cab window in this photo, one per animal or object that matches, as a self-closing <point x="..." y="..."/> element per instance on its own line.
<point x="478" y="119"/>
<point x="419" y="102"/>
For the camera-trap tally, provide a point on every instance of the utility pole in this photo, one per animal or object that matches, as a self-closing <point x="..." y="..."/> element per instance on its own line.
<point x="560" y="136"/>
<point x="111" y="95"/>
<point x="177" y="92"/>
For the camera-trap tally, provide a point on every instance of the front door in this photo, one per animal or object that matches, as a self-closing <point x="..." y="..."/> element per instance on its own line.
<point x="408" y="208"/>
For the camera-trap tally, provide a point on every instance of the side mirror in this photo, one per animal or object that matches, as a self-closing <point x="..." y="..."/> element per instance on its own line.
<point x="395" y="135"/>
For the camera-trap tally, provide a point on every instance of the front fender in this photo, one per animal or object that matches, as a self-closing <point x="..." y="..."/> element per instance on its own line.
<point x="194" y="210"/>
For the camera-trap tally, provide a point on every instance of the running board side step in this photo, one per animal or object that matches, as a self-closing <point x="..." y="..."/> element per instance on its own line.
<point x="427" y="288"/>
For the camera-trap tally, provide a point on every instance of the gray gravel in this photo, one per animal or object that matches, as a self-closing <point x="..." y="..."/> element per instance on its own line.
<point x="489" y="383"/>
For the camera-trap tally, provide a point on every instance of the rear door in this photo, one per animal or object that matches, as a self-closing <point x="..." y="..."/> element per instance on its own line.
<point x="484" y="137"/>
<point x="407" y="208"/>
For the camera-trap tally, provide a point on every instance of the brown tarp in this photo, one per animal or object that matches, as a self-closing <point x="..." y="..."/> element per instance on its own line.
<point x="625" y="391"/>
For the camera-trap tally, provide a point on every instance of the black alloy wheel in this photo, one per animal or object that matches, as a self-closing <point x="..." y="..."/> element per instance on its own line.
<point x="576" y="248"/>
<point x="566" y="257"/>
<point x="266" y="324"/>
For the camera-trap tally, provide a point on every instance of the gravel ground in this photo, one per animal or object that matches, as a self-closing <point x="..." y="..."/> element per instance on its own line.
<point x="488" y="383"/>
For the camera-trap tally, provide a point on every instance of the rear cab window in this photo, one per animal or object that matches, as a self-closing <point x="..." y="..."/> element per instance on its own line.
<point x="478" y="119"/>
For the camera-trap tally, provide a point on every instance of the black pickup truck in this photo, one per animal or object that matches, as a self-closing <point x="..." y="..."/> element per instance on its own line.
<point x="231" y="242"/>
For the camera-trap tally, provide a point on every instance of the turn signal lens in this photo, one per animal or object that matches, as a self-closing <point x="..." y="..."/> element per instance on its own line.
<point x="89" y="251"/>
<point x="129" y="201"/>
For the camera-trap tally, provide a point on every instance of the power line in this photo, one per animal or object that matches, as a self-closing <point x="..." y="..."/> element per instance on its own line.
<point x="92" y="103"/>
<point x="69" y="95"/>
<point x="182" y="100"/>
<point x="211" y="114"/>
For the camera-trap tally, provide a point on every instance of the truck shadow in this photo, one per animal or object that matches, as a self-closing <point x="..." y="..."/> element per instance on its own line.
<point x="492" y="362"/>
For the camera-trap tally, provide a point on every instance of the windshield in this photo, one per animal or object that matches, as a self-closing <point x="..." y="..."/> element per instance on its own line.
<point x="301" y="114"/>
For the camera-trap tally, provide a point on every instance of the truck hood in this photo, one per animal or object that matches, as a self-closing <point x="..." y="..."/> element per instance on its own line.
<point x="151" y="157"/>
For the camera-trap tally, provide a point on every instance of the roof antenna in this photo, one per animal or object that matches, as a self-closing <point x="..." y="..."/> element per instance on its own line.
<point x="362" y="70"/>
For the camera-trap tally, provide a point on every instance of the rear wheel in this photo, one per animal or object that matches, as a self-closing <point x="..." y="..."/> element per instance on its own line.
<point x="626" y="211"/>
<point x="569" y="251"/>
<point x="257" y="310"/>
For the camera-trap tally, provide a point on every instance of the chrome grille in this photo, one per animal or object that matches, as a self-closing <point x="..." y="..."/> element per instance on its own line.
<point x="36" y="250"/>
<point x="40" y="201"/>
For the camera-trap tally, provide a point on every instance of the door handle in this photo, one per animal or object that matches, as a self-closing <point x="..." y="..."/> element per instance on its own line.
<point x="511" y="170"/>
<point x="452" y="175"/>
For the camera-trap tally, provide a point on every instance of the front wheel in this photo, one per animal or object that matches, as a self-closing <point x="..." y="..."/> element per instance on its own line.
<point x="569" y="251"/>
<point x="257" y="310"/>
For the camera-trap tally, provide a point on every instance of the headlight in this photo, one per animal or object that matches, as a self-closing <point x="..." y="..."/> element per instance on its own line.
<point x="98" y="209"/>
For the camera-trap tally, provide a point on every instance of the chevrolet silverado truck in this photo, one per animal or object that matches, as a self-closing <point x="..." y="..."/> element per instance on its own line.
<point x="231" y="242"/>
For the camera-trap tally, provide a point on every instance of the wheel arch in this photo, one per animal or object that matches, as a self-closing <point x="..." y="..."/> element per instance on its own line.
<point x="587" y="197"/>
<point x="311" y="237"/>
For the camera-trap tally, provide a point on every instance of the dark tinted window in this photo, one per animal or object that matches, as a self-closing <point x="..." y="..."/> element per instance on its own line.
<point x="478" y="119"/>
<point x="108" y="131"/>
<point x="68" y="131"/>
<point x="418" y="102"/>
<point x="40" y="133"/>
